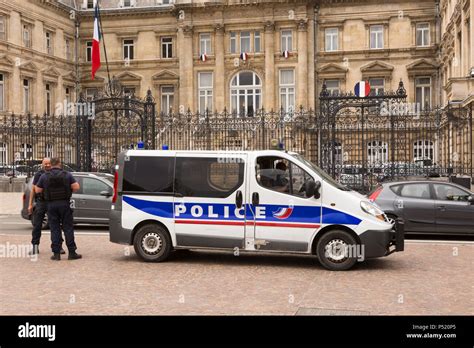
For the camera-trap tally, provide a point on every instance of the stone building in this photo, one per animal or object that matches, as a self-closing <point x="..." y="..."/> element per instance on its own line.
<point x="242" y="55"/>
<point x="161" y="45"/>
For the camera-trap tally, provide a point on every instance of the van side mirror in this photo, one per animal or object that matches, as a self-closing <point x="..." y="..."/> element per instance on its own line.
<point x="312" y="188"/>
<point x="470" y="199"/>
<point x="317" y="190"/>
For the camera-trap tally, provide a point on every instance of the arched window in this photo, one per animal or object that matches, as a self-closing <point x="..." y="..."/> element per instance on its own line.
<point x="423" y="149"/>
<point x="48" y="151"/>
<point x="3" y="154"/>
<point x="377" y="152"/>
<point x="26" y="151"/>
<point x="245" y="93"/>
<point x="68" y="154"/>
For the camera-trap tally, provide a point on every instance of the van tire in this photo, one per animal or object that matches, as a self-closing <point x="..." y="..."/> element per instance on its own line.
<point x="152" y="243"/>
<point x="335" y="239"/>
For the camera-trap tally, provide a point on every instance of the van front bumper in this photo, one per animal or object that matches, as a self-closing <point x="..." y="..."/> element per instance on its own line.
<point x="382" y="243"/>
<point x="117" y="233"/>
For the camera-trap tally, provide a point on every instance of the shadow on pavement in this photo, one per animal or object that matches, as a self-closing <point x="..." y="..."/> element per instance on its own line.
<point x="221" y="258"/>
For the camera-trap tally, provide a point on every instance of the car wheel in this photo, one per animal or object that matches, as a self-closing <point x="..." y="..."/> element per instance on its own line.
<point x="335" y="250"/>
<point x="391" y="218"/>
<point x="152" y="243"/>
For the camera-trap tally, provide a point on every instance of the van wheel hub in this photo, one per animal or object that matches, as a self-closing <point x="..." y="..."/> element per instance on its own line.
<point x="336" y="250"/>
<point x="152" y="243"/>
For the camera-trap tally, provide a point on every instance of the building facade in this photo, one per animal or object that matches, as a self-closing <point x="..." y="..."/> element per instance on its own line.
<point x="237" y="55"/>
<point x="242" y="56"/>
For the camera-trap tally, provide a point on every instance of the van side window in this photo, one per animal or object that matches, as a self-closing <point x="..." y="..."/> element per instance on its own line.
<point x="148" y="174"/>
<point x="207" y="177"/>
<point x="279" y="174"/>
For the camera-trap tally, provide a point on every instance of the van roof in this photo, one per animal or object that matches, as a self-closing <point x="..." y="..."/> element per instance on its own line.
<point x="213" y="152"/>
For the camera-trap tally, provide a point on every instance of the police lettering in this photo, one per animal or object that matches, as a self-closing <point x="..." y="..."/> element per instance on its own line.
<point x="210" y="212"/>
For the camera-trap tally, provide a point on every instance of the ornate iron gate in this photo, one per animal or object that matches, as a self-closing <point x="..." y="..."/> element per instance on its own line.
<point x="363" y="141"/>
<point x="118" y="122"/>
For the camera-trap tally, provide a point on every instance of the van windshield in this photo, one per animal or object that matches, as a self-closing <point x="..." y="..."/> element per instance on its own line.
<point x="326" y="177"/>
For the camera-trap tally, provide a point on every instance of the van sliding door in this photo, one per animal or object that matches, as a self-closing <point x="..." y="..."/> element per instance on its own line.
<point x="209" y="210"/>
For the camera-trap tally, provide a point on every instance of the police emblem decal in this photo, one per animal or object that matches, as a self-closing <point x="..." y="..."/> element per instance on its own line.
<point x="283" y="213"/>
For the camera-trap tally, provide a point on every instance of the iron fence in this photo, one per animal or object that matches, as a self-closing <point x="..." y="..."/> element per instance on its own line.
<point x="358" y="146"/>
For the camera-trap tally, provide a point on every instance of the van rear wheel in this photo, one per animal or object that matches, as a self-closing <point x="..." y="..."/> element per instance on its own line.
<point x="336" y="250"/>
<point x="152" y="243"/>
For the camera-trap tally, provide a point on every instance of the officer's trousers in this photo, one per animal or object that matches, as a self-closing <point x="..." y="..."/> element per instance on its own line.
<point x="41" y="209"/>
<point x="60" y="213"/>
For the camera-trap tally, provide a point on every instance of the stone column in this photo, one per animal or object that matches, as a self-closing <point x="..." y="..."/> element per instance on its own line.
<point x="269" y="90"/>
<point x="15" y="36"/>
<point x="38" y="94"/>
<point x="39" y="41"/>
<point x="302" y="69"/>
<point x="471" y="30"/>
<point x="186" y="51"/>
<point x="59" y="93"/>
<point x="219" y="79"/>
<point x="16" y="95"/>
<point x="59" y="49"/>
<point x="311" y="75"/>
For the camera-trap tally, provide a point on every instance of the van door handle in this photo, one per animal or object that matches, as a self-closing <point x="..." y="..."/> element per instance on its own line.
<point x="239" y="199"/>
<point x="441" y="207"/>
<point x="255" y="198"/>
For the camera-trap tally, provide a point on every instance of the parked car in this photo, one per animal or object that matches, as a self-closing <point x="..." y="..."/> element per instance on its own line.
<point x="91" y="203"/>
<point x="429" y="207"/>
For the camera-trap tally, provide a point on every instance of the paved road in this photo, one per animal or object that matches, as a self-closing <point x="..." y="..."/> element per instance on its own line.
<point x="429" y="277"/>
<point x="14" y="224"/>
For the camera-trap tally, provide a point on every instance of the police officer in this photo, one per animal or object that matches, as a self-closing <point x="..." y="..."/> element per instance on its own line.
<point x="41" y="207"/>
<point x="57" y="186"/>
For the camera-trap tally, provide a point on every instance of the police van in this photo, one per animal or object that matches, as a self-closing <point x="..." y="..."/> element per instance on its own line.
<point x="267" y="201"/>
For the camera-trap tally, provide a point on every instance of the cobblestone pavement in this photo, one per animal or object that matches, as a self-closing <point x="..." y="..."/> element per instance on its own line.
<point x="11" y="203"/>
<point x="428" y="278"/>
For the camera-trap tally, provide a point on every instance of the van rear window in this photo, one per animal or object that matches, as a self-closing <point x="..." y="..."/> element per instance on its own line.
<point x="148" y="174"/>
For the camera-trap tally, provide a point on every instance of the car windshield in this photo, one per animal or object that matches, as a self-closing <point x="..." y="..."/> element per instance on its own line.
<point x="326" y="177"/>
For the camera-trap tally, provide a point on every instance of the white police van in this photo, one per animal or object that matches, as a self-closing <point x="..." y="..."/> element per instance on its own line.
<point x="272" y="201"/>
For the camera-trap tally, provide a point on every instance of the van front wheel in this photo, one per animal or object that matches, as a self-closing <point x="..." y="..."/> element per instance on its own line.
<point x="336" y="250"/>
<point x="152" y="243"/>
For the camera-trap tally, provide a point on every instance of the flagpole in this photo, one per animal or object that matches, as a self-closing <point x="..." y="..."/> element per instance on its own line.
<point x="105" y="49"/>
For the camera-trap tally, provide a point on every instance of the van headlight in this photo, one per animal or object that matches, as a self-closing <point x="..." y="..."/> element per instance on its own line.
<point x="372" y="209"/>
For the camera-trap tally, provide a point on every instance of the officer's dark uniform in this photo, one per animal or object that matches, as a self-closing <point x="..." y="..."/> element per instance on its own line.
<point x="41" y="207"/>
<point x="56" y="185"/>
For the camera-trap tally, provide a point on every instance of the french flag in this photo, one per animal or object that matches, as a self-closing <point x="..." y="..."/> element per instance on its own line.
<point x="285" y="54"/>
<point x="244" y="56"/>
<point x="362" y="89"/>
<point x="203" y="57"/>
<point x="96" y="42"/>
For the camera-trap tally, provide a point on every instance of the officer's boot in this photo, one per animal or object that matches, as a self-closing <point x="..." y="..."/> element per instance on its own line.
<point x="74" y="256"/>
<point x="56" y="257"/>
<point x="34" y="250"/>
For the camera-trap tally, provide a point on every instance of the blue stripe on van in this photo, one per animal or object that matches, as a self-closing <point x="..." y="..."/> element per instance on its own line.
<point x="300" y="214"/>
<point x="332" y="216"/>
<point x="161" y="209"/>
